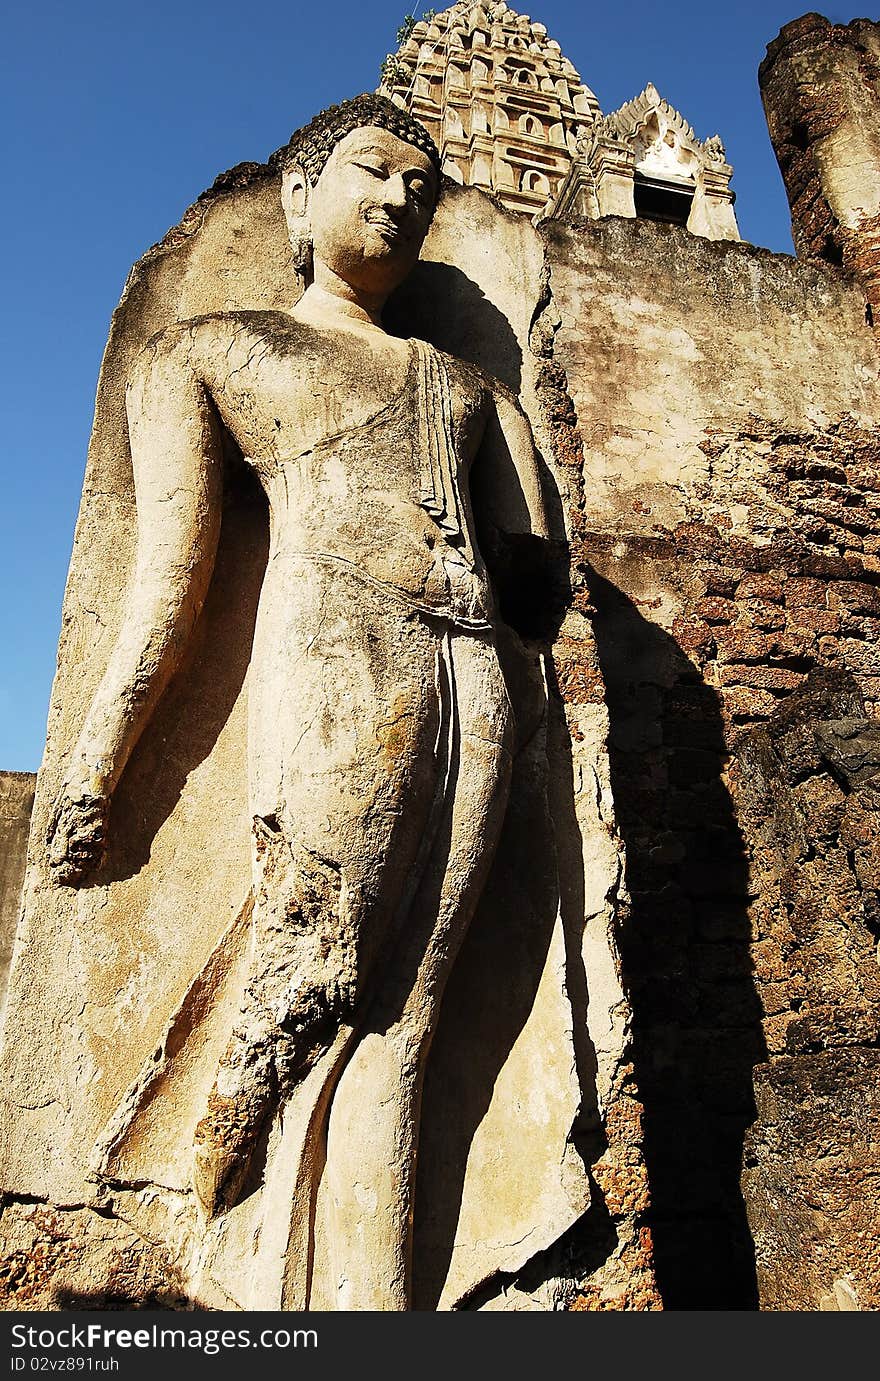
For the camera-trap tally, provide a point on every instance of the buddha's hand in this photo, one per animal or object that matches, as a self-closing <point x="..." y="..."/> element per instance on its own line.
<point x="77" y="834"/>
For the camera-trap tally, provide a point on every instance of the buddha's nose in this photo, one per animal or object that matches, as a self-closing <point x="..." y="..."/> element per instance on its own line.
<point x="394" y="193"/>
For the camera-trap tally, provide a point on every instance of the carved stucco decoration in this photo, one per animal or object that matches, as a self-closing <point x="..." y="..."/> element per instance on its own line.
<point x="504" y="104"/>
<point x="648" y="139"/>
<point x="511" y="115"/>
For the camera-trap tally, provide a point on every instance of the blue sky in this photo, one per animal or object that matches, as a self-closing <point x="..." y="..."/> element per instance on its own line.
<point x="116" y="116"/>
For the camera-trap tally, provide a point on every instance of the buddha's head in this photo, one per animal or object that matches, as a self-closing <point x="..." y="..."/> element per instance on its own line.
<point x="359" y="187"/>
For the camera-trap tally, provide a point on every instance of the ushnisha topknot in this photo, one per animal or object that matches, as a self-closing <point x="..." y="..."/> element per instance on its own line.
<point x="312" y="145"/>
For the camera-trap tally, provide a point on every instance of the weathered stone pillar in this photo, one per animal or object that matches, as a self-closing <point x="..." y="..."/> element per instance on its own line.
<point x="807" y="786"/>
<point x="613" y="167"/>
<point x="820" y="83"/>
<point x="712" y="213"/>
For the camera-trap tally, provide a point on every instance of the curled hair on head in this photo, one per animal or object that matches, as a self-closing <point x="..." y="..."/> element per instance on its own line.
<point x="312" y="145"/>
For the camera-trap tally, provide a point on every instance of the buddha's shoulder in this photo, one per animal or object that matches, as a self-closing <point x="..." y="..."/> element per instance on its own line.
<point x="200" y="338"/>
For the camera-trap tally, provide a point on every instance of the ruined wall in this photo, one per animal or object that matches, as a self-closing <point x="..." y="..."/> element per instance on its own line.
<point x="726" y="533"/>
<point x="808" y="788"/>
<point x="820" y="84"/>
<point x="16" y="801"/>
<point x="709" y="414"/>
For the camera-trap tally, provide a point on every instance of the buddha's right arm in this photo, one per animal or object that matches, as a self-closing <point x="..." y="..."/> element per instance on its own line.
<point x="176" y="459"/>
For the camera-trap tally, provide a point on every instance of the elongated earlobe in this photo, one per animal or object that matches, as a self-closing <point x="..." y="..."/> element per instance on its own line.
<point x="295" y="190"/>
<point x="295" y="201"/>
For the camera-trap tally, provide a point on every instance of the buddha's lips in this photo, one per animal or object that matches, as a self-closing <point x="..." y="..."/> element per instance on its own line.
<point x="385" y="225"/>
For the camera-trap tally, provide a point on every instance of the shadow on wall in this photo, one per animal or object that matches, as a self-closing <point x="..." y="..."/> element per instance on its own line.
<point x="441" y="304"/>
<point x="685" y="952"/>
<point x="123" y="1301"/>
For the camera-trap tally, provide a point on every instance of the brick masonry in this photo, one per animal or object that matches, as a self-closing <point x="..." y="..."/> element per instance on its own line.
<point x="723" y="546"/>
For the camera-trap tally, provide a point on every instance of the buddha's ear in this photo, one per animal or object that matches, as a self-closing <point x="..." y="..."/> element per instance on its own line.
<point x="296" y="194"/>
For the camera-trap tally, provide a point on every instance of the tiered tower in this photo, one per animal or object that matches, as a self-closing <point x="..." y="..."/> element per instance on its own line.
<point x="504" y="106"/>
<point x="510" y="114"/>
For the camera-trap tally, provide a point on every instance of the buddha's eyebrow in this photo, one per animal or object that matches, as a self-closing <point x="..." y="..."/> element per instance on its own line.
<point x="383" y="154"/>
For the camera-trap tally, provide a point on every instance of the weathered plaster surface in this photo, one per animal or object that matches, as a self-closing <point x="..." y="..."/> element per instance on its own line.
<point x="16" y="801"/>
<point x="707" y="414"/>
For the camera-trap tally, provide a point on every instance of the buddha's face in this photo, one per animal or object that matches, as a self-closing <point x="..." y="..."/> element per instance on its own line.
<point x="370" y="209"/>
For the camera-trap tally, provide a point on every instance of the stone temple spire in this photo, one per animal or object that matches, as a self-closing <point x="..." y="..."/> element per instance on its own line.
<point x="510" y="114"/>
<point x="505" y="107"/>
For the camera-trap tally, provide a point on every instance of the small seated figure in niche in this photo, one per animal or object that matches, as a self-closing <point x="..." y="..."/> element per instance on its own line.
<point x="380" y="726"/>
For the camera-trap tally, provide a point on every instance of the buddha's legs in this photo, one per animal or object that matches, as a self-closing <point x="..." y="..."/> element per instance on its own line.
<point x="367" y="1192"/>
<point x="349" y="765"/>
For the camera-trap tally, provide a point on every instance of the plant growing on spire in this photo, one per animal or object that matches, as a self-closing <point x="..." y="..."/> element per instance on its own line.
<point x="392" y="70"/>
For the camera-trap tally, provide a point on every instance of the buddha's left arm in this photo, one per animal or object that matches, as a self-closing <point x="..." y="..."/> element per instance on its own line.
<point x="506" y="480"/>
<point x="510" y="508"/>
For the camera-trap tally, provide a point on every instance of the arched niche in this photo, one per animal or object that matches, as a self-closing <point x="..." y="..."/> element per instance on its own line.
<point x="533" y="181"/>
<point x="457" y="75"/>
<point x="531" y="125"/>
<point x="502" y="175"/>
<point x="481" y="171"/>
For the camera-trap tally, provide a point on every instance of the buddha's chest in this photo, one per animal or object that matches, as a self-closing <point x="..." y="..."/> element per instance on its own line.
<point x="282" y="402"/>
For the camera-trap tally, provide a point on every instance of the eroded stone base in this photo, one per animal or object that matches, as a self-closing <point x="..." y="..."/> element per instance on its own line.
<point x="70" y="1259"/>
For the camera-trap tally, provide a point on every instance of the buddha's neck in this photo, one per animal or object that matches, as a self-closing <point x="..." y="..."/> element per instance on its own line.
<point x="330" y="298"/>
